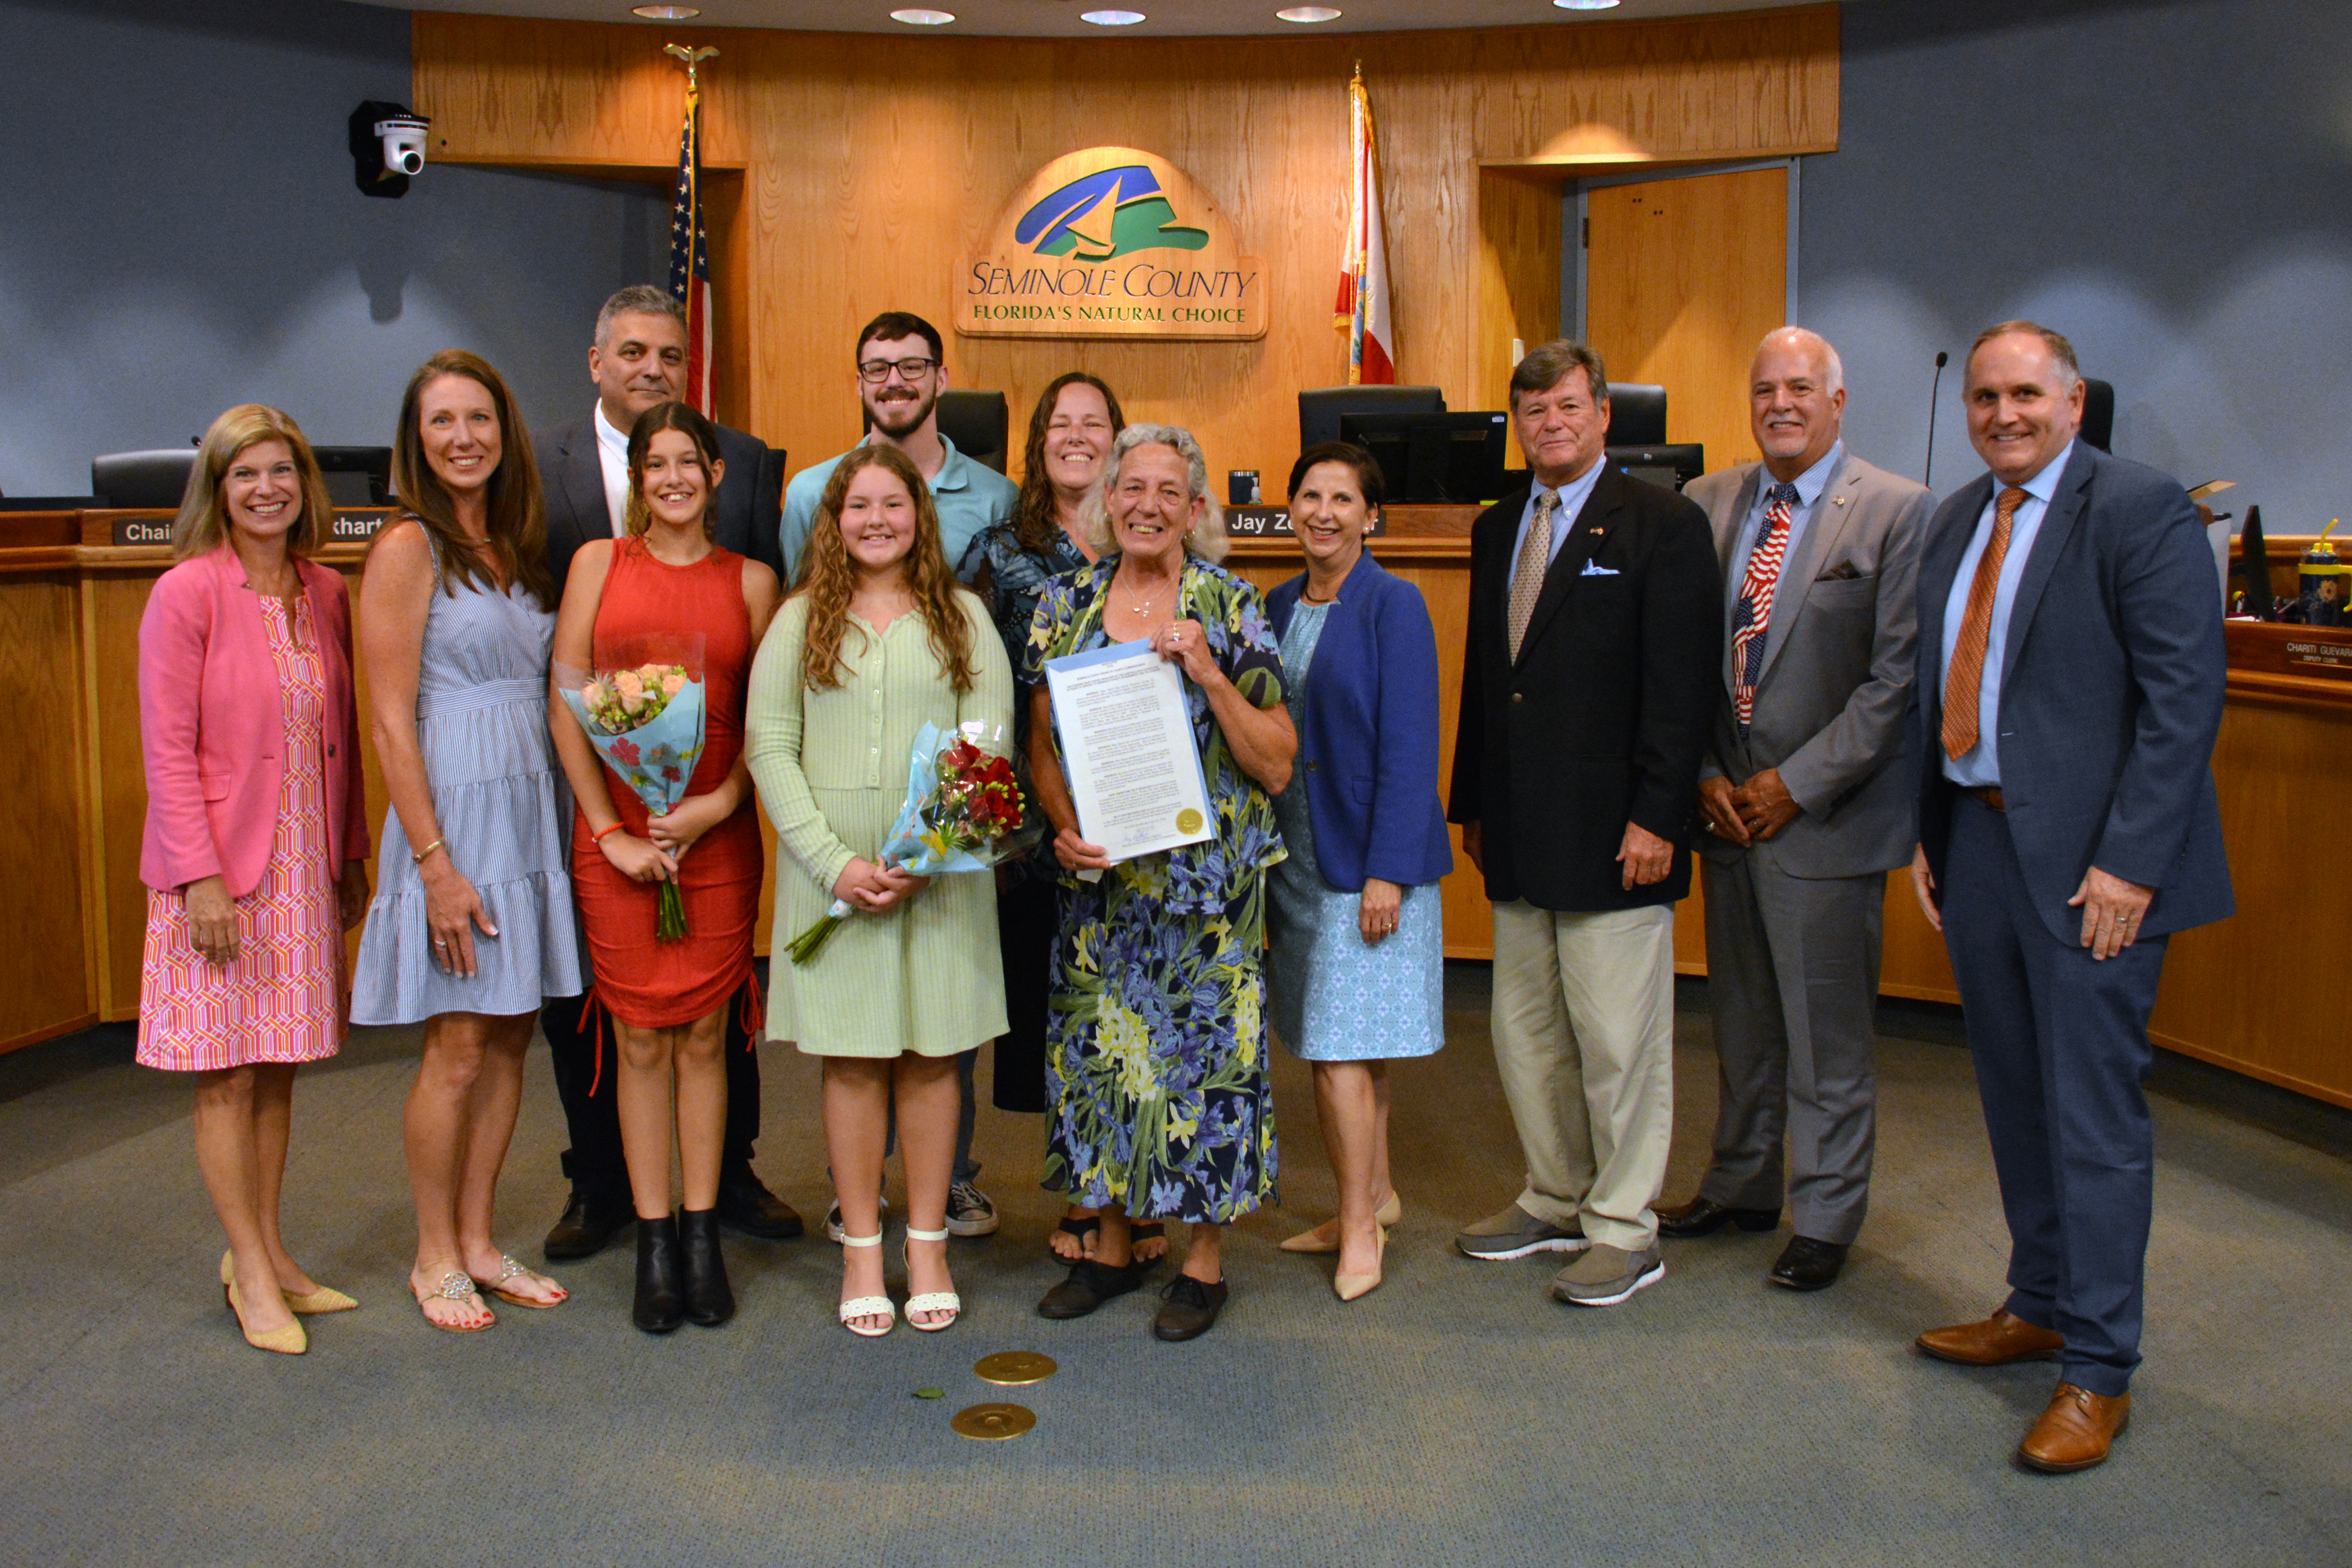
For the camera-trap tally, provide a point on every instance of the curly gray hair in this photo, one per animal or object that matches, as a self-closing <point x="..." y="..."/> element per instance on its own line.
<point x="1206" y="539"/>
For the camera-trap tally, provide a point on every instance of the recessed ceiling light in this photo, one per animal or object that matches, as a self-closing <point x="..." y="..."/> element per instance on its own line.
<point x="1307" y="14"/>
<point x="666" y="13"/>
<point x="1585" y="4"/>
<point x="1111" y="18"/>
<point x="923" y="18"/>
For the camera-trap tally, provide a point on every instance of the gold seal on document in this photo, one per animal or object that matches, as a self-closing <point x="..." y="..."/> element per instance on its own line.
<point x="1188" y="821"/>
<point x="989" y="1421"/>
<point x="1011" y="1367"/>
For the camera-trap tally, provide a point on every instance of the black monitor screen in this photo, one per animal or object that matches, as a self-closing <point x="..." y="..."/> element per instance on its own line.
<point x="356" y="476"/>
<point x="1669" y="467"/>
<point x="1434" y="458"/>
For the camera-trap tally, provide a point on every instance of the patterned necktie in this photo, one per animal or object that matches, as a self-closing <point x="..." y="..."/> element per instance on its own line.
<point x="1528" y="574"/>
<point x="1753" y="615"/>
<point x="1964" y="682"/>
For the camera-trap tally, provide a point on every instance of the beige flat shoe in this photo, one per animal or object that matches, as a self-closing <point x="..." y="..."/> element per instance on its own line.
<point x="321" y="1301"/>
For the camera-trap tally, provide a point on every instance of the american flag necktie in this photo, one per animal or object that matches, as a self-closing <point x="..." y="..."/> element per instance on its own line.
<point x="1753" y="616"/>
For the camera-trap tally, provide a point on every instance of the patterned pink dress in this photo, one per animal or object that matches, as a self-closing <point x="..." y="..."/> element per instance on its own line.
<point x="281" y="998"/>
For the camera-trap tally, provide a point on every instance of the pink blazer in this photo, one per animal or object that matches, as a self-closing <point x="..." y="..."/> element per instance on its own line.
<point x="213" y="733"/>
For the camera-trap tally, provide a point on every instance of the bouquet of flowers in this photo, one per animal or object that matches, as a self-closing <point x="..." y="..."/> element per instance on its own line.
<point x="646" y="721"/>
<point x="963" y="812"/>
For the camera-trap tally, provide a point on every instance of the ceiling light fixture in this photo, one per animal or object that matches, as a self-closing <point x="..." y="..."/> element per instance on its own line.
<point x="919" y="17"/>
<point x="666" y="13"/>
<point x="1111" y="18"/>
<point x="1585" y="4"/>
<point x="1307" y="14"/>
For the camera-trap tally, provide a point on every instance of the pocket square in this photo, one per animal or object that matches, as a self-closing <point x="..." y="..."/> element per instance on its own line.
<point x="1843" y="572"/>
<point x="1594" y="569"/>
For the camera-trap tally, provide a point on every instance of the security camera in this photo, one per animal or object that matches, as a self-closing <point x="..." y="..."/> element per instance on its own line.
<point x="403" y="143"/>
<point x="387" y="146"/>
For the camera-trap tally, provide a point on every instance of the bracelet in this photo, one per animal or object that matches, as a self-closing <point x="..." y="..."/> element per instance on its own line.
<point x="599" y="839"/>
<point x="416" y="856"/>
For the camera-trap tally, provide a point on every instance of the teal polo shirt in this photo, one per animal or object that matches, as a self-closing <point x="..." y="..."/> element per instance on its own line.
<point x="971" y="497"/>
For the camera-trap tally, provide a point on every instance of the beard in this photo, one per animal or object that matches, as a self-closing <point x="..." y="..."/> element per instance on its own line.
<point x="901" y="419"/>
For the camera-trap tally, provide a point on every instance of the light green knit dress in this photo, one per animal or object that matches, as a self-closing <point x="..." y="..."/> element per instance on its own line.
<point x="831" y="766"/>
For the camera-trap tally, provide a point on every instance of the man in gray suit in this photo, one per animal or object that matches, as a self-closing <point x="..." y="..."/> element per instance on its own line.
<point x="2070" y="689"/>
<point x="1807" y="808"/>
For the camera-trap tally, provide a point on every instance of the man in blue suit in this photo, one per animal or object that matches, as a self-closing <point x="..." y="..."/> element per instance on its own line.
<point x="2070" y="689"/>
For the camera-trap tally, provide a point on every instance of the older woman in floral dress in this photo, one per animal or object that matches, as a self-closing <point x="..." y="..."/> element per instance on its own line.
<point x="1157" y="1062"/>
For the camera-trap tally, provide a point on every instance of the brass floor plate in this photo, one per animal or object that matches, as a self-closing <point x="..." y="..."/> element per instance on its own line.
<point x="1014" y="1368"/>
<point x="993" y="1421"/>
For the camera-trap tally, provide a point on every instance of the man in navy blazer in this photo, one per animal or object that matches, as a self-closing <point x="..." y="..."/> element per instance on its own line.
<point x="2070" y="689"/>
<point x="1589" y="689"/>
<point x="637" y="359"/>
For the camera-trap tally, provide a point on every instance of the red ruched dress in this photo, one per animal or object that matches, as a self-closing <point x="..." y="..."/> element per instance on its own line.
<point x="645" y="983"/>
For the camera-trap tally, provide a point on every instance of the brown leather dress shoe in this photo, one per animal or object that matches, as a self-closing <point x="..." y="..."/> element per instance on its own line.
<point x="1998" y="1340"/>
<point x="2075" y="1432"/>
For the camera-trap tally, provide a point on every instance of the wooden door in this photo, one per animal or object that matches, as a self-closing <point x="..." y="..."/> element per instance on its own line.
<point x="1682" y="277"/>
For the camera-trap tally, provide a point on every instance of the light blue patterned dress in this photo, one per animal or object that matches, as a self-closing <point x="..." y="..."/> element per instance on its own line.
<point x="1331" y="996"/>
<point x="501" y="806"/>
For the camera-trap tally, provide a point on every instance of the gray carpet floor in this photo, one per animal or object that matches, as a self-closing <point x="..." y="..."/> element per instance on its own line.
<point x="1454" y="1417"/>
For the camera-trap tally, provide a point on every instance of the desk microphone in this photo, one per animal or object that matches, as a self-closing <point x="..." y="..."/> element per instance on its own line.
<point x="1942" y="359"/>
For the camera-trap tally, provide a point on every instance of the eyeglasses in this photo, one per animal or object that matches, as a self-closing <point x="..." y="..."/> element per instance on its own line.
<point x="878" y="371"/>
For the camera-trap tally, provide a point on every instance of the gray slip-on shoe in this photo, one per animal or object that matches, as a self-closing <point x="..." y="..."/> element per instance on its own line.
<point x="1606" y="1275"/>
<point x="1516" y="1233"/>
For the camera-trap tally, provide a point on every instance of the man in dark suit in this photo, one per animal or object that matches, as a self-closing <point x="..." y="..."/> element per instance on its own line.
<point x="638" y="360"/>
<point x="1588" y="687"/>
<point x="2070" y="687"/>
<point x="1809" y="807"/>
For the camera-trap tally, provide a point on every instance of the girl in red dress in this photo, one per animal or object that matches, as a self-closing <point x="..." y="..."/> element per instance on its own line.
<point x="666" y="582"/>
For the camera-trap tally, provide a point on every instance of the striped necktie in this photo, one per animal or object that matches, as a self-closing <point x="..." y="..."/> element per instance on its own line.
<point x="1752" y="618"/>
<point x="1964" y="682"/>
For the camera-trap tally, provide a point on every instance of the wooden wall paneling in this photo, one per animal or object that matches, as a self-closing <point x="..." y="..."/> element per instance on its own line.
<point x="41" y="923"/>
<point x="112" y="602"/>
<point x="1518" y="276"/>
<point x="872" y="161"/>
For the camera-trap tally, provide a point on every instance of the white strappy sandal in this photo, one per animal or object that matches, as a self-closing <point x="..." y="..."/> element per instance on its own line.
<point x="946" y="1302"/>
<point x="858" y="1307"/>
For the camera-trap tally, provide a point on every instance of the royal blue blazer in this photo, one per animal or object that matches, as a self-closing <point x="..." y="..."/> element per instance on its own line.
<point x="1368" y="748"/>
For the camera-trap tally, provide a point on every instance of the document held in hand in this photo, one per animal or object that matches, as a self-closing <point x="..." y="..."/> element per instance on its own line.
<point x="1127" y="750"/>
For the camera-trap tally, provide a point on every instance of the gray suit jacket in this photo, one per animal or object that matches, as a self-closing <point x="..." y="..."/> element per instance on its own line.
<point x="1839" y="658"/>
<point x="571" y="475"/>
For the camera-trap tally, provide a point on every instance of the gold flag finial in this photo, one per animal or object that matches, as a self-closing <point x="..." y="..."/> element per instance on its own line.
<point x="691" y="59"/>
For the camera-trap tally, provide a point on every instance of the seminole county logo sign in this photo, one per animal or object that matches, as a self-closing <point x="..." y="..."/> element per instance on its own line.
<point x="1111" y="243"/>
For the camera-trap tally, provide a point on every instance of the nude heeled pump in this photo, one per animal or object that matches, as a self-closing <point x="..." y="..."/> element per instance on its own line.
<point x="1325" y="1237"/>
<point x="1348" y="1287"/>
<point x="325" y="1298"/>
<point x="288" y="1341"/>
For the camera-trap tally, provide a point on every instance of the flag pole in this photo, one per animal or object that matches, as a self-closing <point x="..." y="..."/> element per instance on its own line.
<point x="689" y="273"/>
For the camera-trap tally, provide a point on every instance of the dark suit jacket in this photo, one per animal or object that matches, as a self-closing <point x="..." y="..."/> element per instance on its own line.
<point x="2111" y="693"/>
<point x="1368" y="749"/>
<point x="1606" y="714"/>
<point x="750" y="495"/>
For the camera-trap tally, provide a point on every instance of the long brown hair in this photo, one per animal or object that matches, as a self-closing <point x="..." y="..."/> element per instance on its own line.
<point x="1033" y="522"/>
<point x="203" y="522"/>
<point x="517" y="518"/>
<point x="829" y="578"/>
<point x="689" y="421"/>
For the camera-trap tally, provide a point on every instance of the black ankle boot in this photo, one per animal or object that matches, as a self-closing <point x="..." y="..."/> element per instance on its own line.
<point x="661" y="1304"/>
<point x="708" y="1299"/>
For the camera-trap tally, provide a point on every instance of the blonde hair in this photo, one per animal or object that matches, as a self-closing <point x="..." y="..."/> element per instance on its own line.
<point x="829" y="578"/>
<point x="1207" y="538"/>
<point x="203" y="522"/>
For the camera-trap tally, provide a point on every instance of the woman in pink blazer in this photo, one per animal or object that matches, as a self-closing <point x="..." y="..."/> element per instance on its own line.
<point x="256" y="849"/>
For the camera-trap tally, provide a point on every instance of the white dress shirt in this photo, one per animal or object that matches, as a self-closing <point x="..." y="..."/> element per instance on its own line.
<point x="613" y="456"/>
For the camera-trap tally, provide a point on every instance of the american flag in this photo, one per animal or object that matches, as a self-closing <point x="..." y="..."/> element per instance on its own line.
<point x="689" y="259"/>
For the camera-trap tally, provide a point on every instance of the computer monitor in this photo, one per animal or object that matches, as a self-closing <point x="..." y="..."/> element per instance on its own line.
<point x="1434" y="458"/>
<point x="1321" y="408"/>
<point x="356" y="476"/>
<point x="1667" y="467"/>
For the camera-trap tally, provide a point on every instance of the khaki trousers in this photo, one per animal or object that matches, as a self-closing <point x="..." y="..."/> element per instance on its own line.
<point x="1584" y="1038"/>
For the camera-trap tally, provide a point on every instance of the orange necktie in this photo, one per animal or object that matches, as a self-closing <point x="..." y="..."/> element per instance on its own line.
<point x="1964" y="682"/>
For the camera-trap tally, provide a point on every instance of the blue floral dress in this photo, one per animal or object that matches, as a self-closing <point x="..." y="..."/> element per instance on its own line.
<point x="1155" y="1055"/>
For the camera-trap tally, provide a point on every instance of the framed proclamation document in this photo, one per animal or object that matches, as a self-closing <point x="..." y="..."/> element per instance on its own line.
<point x="1127" y="750"/>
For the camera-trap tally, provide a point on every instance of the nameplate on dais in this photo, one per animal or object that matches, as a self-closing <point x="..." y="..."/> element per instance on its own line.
<point x="1112" y="242"/>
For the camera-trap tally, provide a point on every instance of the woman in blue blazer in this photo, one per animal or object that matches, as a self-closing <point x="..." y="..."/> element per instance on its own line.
<point x="1358" y="940"/>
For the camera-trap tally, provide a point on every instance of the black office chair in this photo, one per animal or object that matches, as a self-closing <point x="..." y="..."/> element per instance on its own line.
<point x="131" y="480"/>
<point x="1319" y="408"/>
<point x="2099" y="413"/>
<point x="356" y="476"/>
<point x="1637" y="415"/>
<point x="976" y="422"/>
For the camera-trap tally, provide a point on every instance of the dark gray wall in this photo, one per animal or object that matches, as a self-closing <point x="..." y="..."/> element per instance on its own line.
<point x="2169" y="184"/>
<point x="179" y="232"/>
